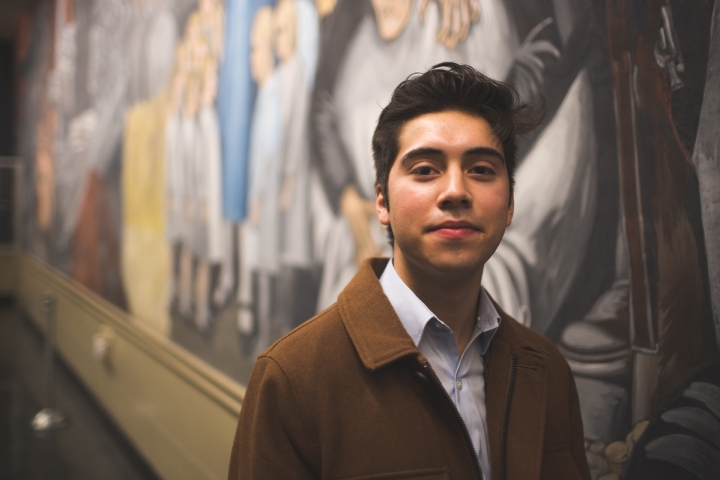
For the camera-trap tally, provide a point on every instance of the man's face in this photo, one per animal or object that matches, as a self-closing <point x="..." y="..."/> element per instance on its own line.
<point x="449" y="194"/>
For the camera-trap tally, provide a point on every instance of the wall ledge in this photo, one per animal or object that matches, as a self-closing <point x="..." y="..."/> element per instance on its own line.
<point x="179" y="412"/>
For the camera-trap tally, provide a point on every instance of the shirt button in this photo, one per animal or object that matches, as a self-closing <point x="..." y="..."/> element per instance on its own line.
<point x="458" y="384"/>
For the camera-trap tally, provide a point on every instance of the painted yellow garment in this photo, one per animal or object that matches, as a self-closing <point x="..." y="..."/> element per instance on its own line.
<point x="145" y="252"/>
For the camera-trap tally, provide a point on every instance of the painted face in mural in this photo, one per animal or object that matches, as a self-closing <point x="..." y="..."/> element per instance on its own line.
<point x="392" y="16"/>
<point x="449" y="192"/>
<point x="261" y="54"/>
<point x="285" y="30"/>
<point x="207" y="6"/>
<point x="197" y="43"/>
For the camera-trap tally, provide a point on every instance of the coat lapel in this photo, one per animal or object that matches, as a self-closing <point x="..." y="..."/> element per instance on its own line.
<point x="527" y="407"/>
<point x="370" y="320"/>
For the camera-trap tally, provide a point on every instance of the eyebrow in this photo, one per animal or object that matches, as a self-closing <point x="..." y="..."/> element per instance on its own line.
<point x="435" y="152"/>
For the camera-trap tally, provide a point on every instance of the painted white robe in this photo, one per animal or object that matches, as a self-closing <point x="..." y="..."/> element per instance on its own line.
<point x="218" y="231"/>
<point x="295" y="81"/>
<point x="193" y="230"/>
<point x="260" y="241"/>
<point x="174" y="179"/>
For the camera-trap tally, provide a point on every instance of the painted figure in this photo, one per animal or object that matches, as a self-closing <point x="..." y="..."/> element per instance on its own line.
<point x="87" y="177"/>
<point x="297" y="37"/>
<point x="146" y="256"/>
<point x="281" y="201"/>
<point x="190" y="240"/>
<point x="202" y="275"/>
<point x="219" y="242"/>
<point x="151" y="46"/>
<point x="174" y="171"/>
<point x="236" y="96"/>
<point x="258" y="239"/>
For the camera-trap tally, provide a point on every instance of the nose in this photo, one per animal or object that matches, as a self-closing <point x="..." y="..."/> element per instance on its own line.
<point x="454" y="189"/>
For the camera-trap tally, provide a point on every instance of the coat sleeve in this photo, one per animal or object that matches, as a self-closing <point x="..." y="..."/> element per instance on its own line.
<point x="575" y="440"/>
<point x="270" y="441"/>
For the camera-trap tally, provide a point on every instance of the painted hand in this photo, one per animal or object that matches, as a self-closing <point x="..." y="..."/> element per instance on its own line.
<point x="456" y="16"/>
<point x="358" y="212"/>
<point x="530" y="61"/>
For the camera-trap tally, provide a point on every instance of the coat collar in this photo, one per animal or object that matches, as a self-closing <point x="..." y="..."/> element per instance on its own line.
<point x="370" y="320"/>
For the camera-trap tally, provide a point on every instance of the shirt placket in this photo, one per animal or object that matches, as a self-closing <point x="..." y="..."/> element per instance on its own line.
<point x="464" y="399"/>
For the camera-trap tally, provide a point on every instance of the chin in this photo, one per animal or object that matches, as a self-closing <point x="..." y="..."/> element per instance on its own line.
<point x="441" y="258"/>
<point x="459" y="266"/>
<point x="452" y="263"/>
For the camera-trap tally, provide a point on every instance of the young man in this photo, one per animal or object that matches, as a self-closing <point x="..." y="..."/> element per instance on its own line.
<point x="415" y="372"/>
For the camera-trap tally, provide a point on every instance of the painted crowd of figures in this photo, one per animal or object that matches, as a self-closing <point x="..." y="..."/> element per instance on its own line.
<point x="225" y="153"/>
<point x="198" y="159"/>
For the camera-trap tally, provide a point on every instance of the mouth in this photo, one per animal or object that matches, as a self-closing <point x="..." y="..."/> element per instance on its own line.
<point x="454" y="229"/>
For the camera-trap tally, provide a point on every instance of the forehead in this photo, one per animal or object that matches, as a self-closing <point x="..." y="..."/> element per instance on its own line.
<point x="447" y="130"/>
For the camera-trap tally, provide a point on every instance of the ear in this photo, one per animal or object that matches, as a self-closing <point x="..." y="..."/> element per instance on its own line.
<point x="381" y="207"/>
<point x="511" y="210"/>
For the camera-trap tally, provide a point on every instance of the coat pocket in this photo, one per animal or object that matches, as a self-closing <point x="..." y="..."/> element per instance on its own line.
<point x="423" y="474"/>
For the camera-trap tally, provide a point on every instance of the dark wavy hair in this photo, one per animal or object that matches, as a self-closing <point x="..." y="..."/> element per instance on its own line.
<point x="445" y="87"/>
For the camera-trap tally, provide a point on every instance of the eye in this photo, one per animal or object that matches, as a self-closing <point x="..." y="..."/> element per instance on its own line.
<point x="423" y="170"/>
<point x="482" y="170"/>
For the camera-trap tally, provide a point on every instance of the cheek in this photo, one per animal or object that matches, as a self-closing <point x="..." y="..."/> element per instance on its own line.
<point x="495" y="205"/>
<point x="408" y="208"/>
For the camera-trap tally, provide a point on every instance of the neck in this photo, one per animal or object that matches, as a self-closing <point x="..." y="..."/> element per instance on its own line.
<point x="451" y="295"/>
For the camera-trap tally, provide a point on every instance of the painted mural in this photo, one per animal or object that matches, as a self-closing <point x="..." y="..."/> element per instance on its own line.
<point x="206" y="165"/>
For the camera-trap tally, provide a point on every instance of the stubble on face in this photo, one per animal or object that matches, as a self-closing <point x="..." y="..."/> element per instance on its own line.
<point x="449" y="197"/>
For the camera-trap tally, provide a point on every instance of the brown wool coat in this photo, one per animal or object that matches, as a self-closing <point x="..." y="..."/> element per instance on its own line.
<point x="347" y="395"/>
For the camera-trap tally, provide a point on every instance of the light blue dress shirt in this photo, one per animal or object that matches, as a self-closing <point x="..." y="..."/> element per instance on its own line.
<point x="461" y="375"/>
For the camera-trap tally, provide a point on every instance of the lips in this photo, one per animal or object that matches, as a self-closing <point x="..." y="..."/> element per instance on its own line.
<point x="454" y="229"/>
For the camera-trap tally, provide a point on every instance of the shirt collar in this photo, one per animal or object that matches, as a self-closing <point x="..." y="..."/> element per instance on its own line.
<point x="415" y="315"/>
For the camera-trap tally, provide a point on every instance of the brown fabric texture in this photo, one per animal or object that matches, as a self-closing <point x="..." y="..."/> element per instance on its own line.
<point x="346" y="396"/>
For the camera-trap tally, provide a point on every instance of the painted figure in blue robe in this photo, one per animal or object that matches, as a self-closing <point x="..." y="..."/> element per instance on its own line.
<point x="236" y="98"/>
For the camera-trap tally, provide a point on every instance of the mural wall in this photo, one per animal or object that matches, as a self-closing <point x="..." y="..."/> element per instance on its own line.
<point x="206" y="165"/>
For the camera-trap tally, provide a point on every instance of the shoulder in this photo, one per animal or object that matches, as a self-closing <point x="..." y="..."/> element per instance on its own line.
<point x="312" y="346"/>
